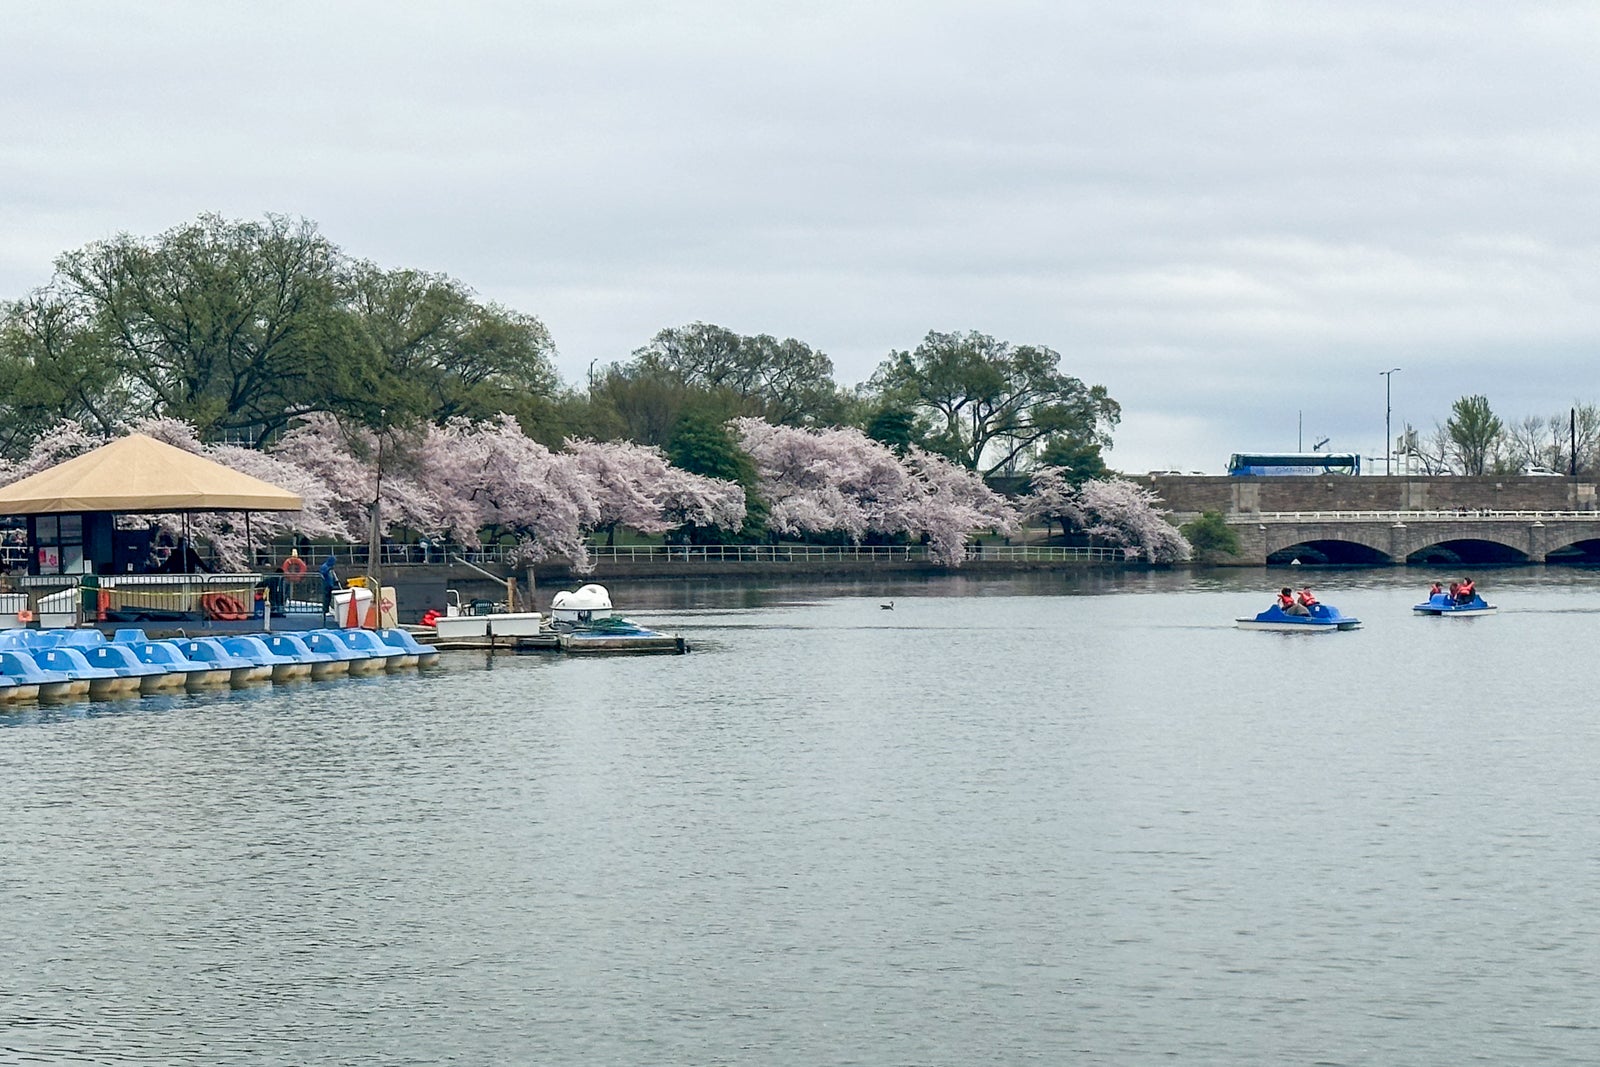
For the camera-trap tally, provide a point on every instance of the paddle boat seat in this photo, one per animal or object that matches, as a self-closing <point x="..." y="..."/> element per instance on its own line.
<point x="366" y="641"/>
<point x="357" y="661"/>
<point x="210" y="651"/>
<point x="170" y="657"/>
<point x="426" y="655"/>
<point x="152" y="677"/>
<point x="282" y="667"/>
<point x="96" y="681"/>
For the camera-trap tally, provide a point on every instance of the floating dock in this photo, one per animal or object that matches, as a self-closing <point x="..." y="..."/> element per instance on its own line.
<point x="557" y="641"/>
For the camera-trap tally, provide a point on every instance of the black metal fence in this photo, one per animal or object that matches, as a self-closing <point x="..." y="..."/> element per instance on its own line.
<point x="55" y="600"/>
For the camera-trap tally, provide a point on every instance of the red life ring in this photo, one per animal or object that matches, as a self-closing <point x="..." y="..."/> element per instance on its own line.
<point x="24" y="615"/>
<point x="223" y="606"/>
<point x="294" y="568"/>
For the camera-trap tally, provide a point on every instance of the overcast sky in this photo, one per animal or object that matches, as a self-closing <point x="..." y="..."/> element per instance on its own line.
<point x="1233" y="216"/>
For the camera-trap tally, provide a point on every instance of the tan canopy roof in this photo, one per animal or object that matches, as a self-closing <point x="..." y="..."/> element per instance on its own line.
<point x="139" y="473"/>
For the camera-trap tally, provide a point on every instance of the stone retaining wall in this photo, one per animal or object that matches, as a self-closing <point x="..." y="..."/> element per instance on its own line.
<point x="1190" y="495"/>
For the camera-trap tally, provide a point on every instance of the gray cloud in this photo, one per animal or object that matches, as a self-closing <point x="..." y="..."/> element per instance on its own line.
<point x="1231" y="215"/>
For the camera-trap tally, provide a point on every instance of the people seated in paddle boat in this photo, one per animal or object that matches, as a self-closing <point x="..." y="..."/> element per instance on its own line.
<point x="1304" y="612"/>
<point x="1462" y="599"/>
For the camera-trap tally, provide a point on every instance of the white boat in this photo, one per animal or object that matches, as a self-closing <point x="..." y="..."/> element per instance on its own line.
<point x="457" y="624"/>
<point x="581" y="607"/>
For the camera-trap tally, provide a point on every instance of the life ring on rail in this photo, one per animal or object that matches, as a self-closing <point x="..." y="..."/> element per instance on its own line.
<point x="294" y="568"/>
<point x="222" y="606"/>
<point x="24" y="616"/>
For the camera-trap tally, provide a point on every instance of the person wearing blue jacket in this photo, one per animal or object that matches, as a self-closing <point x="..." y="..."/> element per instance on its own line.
<point x="330" y="582"/>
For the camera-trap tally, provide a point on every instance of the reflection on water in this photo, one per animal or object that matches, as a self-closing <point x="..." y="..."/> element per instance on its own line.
<point x="1058" y="819"/>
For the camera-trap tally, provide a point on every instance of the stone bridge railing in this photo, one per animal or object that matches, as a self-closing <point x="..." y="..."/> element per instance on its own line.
<point x="1395" y="536"/>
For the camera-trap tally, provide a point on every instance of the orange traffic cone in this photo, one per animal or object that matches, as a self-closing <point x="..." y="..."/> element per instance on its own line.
<point x="352" y="619"/>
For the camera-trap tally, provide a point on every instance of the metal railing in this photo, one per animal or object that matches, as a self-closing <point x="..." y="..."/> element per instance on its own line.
<point x="74" y="599"/>
<point x="1434" y="515"/>
<point x="819" y="554"/>
<point x="352" y="560"/>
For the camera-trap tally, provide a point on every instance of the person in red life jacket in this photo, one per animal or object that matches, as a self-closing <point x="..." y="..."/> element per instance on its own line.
<point x="1465" y="591"/>
<point x="1288" y="605"/>
<point x="1307" y="599"/>
<point x="1455" y="588"/>
<point x="1435" y="590"/>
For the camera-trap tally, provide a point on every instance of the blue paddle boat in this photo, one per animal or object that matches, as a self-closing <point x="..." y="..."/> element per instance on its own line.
<point x="323" y="665"/>
<point x="253" y="647"/>
<point x="242" y="670"/>
<point x="427" y="655"/>
<point x="356" y="661"/>
<point x="153" y="677"/>
<point x="170" y="658"/>
<point x="86" y="679"/>
<point x="29" y="680"/>
<point x="1323" y="619"/>
<point x="1440" y="604"/>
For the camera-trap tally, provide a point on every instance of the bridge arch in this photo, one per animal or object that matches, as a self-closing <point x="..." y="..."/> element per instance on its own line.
<point x="1330" y="551"/>
<point x="1576" y="552"/>
<point x="1348" y="543"/>
<point x="1467" y="552"/>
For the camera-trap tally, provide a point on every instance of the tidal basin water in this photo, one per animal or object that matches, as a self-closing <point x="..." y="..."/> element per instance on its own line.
<point x="1053" y="820"/>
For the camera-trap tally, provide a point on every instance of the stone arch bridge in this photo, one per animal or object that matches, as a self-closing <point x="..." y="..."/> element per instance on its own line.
<point x="1400" y="537"/>
<point x="1406" y="518"/>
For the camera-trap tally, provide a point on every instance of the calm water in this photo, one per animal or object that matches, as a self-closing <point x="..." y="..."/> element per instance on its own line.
<point x="1039" y="821"/>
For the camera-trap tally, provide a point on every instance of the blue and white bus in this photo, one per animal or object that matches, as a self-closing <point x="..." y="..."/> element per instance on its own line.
<point x="1275" y="464"/>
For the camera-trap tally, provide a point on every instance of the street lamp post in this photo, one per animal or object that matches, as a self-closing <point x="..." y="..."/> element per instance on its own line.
<point x="1388" y="446"/>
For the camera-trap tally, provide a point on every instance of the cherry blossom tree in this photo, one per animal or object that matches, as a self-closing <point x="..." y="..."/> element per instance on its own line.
<point x="63" y="441"/>
<point x="822" y="481"/>
<point x="1110" y="511"/>
<point x="346" y="460"/>
<point x="634" y="486"/>
<point x="500" y="480"/>
<point x="233" y="537"/>
<point x="1052" y="499"/>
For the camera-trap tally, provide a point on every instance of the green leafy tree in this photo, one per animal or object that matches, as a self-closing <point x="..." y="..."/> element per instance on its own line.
<point x="702" y="445"/>
<point x="1212" y="539"/>
<point x="644" y="405"/>
<point x="1475" y="433"/>
<point x="786" y="382"/>
<point x="53" y="367"/>
<point x="235" y="327"/>
<point x="896" y="427"/>
<point x="1080" y="459"/>
<point x="992" y="403"/>
<point x="443" y="354"/>
<point x="241" y="327"/>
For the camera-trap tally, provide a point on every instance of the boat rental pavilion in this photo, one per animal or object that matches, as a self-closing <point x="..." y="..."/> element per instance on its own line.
<point x="75" y="544"/>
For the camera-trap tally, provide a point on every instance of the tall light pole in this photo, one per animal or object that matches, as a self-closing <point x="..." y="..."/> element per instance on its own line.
<point x="1388" y="447"/>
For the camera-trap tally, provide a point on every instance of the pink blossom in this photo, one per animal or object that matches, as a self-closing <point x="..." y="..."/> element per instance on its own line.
<point x="823" y="481"/>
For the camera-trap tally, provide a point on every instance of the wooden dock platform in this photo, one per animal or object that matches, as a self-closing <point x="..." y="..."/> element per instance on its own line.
<point x="555" y="641"/>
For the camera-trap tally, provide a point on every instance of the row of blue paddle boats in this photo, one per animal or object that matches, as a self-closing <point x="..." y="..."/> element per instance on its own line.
<point x="69" y="664"/>
<point x="1323" y="618"/>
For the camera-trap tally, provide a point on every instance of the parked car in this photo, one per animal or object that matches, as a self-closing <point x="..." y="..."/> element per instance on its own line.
<point x="1537" y="471"/>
